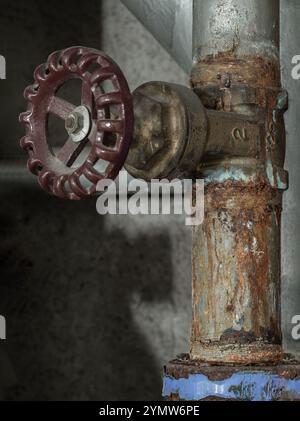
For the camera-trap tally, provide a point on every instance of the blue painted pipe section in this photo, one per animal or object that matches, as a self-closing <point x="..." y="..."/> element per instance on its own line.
<point x="249" y="386"/>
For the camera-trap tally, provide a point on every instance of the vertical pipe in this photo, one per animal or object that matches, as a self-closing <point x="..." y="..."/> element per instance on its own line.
<point x="227" y="31"/>
<point x="250" y="27"/>
<point x="236" y="252"/>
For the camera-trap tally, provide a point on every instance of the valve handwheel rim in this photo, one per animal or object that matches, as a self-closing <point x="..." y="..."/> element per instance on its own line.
<point x="93" y="123"/>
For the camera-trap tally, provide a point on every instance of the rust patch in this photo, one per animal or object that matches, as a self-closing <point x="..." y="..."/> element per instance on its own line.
<point x="236" y="194"/>
<point x="236" y="275"/>
<point x="183" y="366"/>
<point x="242" y="337"/>
<point x="226" y="69"/>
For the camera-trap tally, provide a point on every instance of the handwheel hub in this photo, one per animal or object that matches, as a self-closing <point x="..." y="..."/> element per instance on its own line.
<point x="78" y="124"/>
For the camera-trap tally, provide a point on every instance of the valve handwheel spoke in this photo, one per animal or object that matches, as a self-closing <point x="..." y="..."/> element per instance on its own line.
<point x="70" y="151"/>
<point x="99" y="129"/>
<point x="86" y="95"/>
<point x="60" y="107"/>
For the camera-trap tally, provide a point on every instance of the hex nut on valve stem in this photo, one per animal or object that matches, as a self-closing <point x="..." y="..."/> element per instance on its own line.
<point x="78" y="124"/>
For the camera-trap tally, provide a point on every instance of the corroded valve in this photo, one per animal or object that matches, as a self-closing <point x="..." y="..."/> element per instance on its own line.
<point x="99" y="129"/>
<point x="170" y="132"/>
<point x="165" y="124"/>
<point x="160" y="131"/>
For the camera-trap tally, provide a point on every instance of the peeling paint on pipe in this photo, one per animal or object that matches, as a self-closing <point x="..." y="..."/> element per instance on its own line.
<point x="248" y="27"/>
<point x="236" y="275"/>
<point x="249" y="386"/>
<point x="236" y="251"/>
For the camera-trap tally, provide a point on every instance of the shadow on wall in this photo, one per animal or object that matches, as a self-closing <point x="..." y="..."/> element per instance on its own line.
<point x="66" y="287"/>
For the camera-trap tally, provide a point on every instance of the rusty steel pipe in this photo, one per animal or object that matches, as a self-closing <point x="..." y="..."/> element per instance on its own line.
<point x="242" y="35"/>
<point x="236" y="252"/>
<point x="251" y="26"/>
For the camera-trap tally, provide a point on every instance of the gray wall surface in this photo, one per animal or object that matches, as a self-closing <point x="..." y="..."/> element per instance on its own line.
<point x="95" y="306"/>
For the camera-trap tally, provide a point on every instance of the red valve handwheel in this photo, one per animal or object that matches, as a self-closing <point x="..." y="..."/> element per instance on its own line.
<point x="103" y="122"/>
